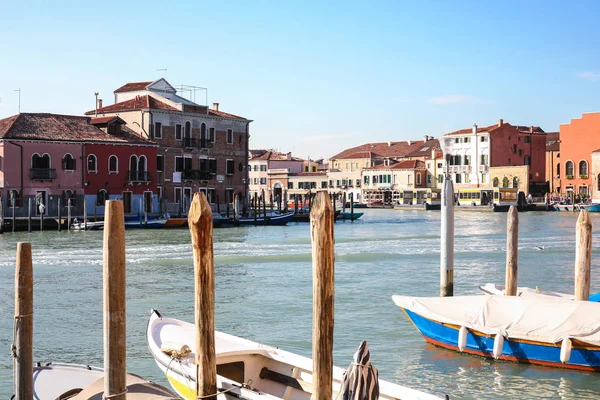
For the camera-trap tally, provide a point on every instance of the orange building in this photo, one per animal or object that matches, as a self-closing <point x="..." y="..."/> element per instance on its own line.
<point x="577" y="141"/>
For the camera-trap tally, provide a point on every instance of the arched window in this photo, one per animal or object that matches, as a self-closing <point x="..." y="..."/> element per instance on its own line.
<point x="505" y="182"/>
<point x="101" y="197"/>
<point x="569" y="169"/>
<point x="516" y="182"/>
<point x="188" y="129"/>
<point x="133" y="163"/>
<point x="203" y="132"/>
<point x="68" y="195"/>
<point x="583" y="170"/>
<point x="36" y="161"/>
<point x="458" y="160"/>
<point x="113" y="164"/>
<point x="496" y="182"/>
<point x="527" y="160"/>
<point x="68" y="162"/>
<point x="92" y="164"/>
<point x="557" y="170"/>
<point x="46" y="161"/>
<point x="142" y="169"/>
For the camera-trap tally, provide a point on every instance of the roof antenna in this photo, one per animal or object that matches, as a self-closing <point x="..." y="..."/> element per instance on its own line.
<point x="19" y="90"/>
<point x="96" y="94"/>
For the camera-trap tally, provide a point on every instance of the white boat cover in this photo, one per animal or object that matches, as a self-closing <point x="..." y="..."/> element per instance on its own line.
<point x="537" y="318"/>
<point x="492" y="288"/>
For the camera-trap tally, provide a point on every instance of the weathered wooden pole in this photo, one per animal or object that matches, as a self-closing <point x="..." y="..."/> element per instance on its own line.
<point x="41" y="210"/>
<point x="29" y="216"/>
<point x="296" y="203"/>
<point x="264" y="207"/>
<point x="227" y="208"/>
<point x="236" y="206"/>
<point x="333" y="198"/>
<point x="84" y="214"/>
<point x="344" y="206"/>
<point x="583" y="256"/>
<point x="115" y="351"/>
<point x="255" y="208"/>
<point x="145" y="212"/>
<point x="59" y="214"/>
<point x="218" y="206"/>
<point x="322" y="238"/>
<point x="351" y="206"/>
<point x="201" y="230"/>
<point x="23" y="347"/>
<point x="140" y="205"/>
<point x="512" y="252"/>
<point x="447" y="240"/>
<point x="69" y="214"/>
<point x="95" y="211"/>
<point x="14" y="217"/>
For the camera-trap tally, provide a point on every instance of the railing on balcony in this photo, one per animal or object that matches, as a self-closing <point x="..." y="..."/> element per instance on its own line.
<point x="205" y="144"/>
<point x="465" y="168"/>
<point x="42" y="174"/>
<point x="139" y="176"/>
<point x="453" y="168"/>
<point x="189" y="142"/>
<point x="196" y="175"/>
<point x="483" y="168"/>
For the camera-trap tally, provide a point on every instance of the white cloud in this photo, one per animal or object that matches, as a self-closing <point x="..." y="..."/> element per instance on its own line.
<point x="589" y="76"/>
<point x="452" y="99"/>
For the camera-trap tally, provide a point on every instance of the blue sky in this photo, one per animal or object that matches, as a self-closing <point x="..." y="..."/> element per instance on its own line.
<point x="315" y="78"/>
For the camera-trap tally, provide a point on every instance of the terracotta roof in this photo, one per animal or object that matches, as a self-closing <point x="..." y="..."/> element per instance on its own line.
<point x="527" y="129"/>
<point x="405" y="164"/>
<point x="55" y="127"/>
<point x="425" y="149"/>
<point x="381" y="149"/>
<point x="132" y="87"/>
<point x="137" y="103"/>
<point x="309" y="174"/>
<point x="269" y="155"/>
<point x="222" y="114"/>
<point x="553" y="141"/>
<point x="480" y="129"/>
<point x="106" y="120"/>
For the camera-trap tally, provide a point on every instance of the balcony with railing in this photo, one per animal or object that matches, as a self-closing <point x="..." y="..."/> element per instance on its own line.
<point x="42" y="174"/>
<point x="483" y="168"/>
<point x="139" y="176"/>
<point x="196" y="175"/>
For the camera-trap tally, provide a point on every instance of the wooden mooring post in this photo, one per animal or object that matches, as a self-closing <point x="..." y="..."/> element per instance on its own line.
<point x="264" y="207"/>
<point x="23" y="346"/>
<point x="295" y="203"/>
<point x="322" y="238"/>
<point x="59" y="214"/>
<point x="41" y="209"/>
<point x="351" y="206"/>
<point x="115" y="351"/>
<point x="84" y="214"/>
<point x="512" y="252"/>
<point x="69" y="214"/>
<point x="447" y="240"/>
<point x="236" y="208"/>
<point x="583" y="256"/>
<point x="14" y="217"/>
<point x="255" y="208"/>
<point x="29" y="217"/>
<point x="201" y="230"/>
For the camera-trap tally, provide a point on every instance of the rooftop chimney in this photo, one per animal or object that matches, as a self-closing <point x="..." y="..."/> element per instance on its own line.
<point x="500" y="122"/>
<point x="474" y="128"/>
<point x="531" y="129"/>
<point x="389" y="144"/>
<point x="215" y="106"/>
<point x="409" y="142"/>
<point x="289" y="156"/>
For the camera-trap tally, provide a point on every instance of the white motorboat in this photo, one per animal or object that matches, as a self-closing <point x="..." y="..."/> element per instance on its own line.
<point x="56" y="381"/>
<point x="245" y="369"/>
<point x="492" y="288"/>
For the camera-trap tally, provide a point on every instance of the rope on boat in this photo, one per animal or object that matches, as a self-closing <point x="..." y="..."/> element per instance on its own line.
<point x="13" y="348"/>
<point x="112" y="396"/>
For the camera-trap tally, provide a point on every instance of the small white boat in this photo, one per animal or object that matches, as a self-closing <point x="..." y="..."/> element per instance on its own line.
<point x="77" y="382"/>
<point x="492" y="288"/>
<point x="130" y="223"/>
<point x="245" y="369"/>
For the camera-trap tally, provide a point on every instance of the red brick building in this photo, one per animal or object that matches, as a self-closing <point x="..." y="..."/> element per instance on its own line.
<point x="200" y="148"/>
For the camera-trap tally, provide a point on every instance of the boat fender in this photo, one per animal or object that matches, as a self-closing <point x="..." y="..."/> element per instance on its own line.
<point x="498" y="345"/>
<point x="462" y="338"/>
<point x="565" y="350"/>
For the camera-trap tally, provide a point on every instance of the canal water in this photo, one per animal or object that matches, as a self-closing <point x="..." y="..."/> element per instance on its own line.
<point x="264" y="293"/>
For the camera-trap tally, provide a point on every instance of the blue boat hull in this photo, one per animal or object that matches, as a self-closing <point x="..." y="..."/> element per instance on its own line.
<point x="593" y="208"/>
<point x="273" y="220"/>
<point x="583" y="357"/>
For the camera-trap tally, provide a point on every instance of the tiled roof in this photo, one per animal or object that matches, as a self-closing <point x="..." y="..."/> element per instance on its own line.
<point x="309" y="174"/>
<point x="553" y="141"/>
<point x="106" y="120"/>
<point x="527" y="129"/>
<point x="382" y="149"/>
<point x="269" y="155"/>
<point x="132" y="87"/>
<point x="406" y="164"/>
<point x="425" y="149"/>
<point x="55" y="127"/>
<point x="222" y="114"/>
<point x="137" y="103"/>
<point x="480" y="129"/>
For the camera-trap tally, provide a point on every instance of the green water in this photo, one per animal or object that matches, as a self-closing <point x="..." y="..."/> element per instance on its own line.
<point x="264" y="293"/>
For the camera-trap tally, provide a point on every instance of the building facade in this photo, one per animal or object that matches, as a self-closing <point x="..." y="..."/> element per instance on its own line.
<point x="201" y="149"/>
<point x="44" y="161"/>
<point x="267" y="171"/>
<point x="577" y="141"/>
<point x="387" y="183"/>
<point x="553" y="162"/>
